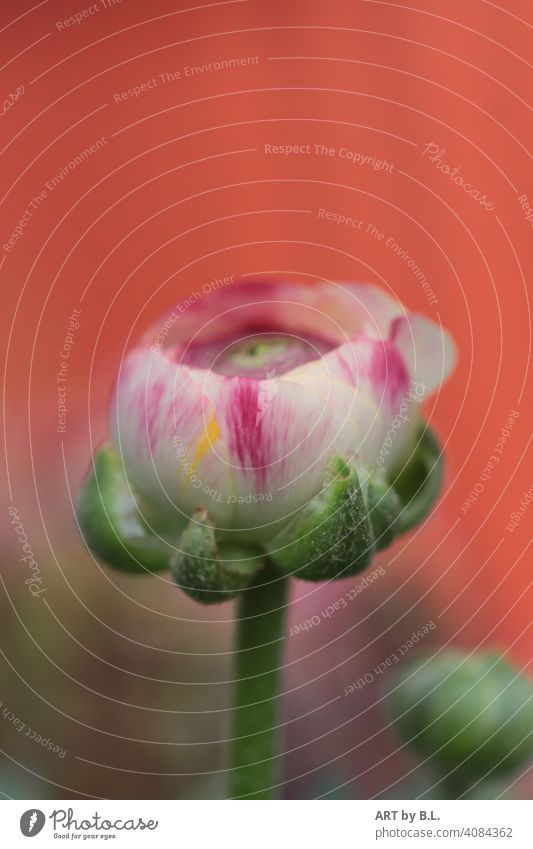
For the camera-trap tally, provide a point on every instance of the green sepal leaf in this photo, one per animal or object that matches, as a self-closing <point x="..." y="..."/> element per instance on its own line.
<point x="418" y="482"/>
<point x="111" y="523"/>
<point x="471" y="716"/>
<point x="208" y="570"/>
<point x="331" y="537"/>
<point x="384" y="508"/>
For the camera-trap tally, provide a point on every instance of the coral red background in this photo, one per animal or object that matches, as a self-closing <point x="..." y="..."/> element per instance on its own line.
<point x="182" y="192"/>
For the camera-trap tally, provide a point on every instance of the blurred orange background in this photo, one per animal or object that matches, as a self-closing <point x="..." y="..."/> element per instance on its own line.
<point x="182" y="190"/>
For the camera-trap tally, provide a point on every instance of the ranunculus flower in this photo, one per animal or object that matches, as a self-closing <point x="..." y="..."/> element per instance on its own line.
<point x="260" y="431"/>
<point x="271" y="417"/>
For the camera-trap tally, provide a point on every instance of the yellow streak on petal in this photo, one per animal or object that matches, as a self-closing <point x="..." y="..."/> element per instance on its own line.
<point x="211" y="434"/>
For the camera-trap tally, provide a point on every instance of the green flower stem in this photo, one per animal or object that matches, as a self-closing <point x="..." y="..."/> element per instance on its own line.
<point x="259" y="643"/>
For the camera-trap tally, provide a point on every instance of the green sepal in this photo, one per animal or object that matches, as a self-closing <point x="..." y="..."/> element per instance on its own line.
<point x="472" y="717"/>
<point x="331" y="537"/>
<point x="384" y="508"/>
<point x="110" y="521"/>
<point x="210" y="571"/>
<point x="418" y="482"/>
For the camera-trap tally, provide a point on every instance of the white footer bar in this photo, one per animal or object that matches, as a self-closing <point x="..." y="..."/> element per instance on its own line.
<point x="267" y="825"/>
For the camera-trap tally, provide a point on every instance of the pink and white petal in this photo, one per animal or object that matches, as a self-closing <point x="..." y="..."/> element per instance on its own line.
<point x="370" y="419"/>
<point x="427" y="348"/>
<point x="163" y="428"/>
<point x="280" y="436"/>
<point x="248" y="304"/>
<point x="374" y="366"/>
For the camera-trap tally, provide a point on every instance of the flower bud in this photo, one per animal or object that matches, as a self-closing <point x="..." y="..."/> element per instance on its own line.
<point x="239" y="407"/>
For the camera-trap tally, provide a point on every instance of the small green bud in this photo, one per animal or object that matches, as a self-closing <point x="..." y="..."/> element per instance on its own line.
<point x="111" y="523"/>
<point x="471" y="716"/>
<point x="384" y="507"/>
<point x="210" y="572"/>
<point x="331" y="537"/>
